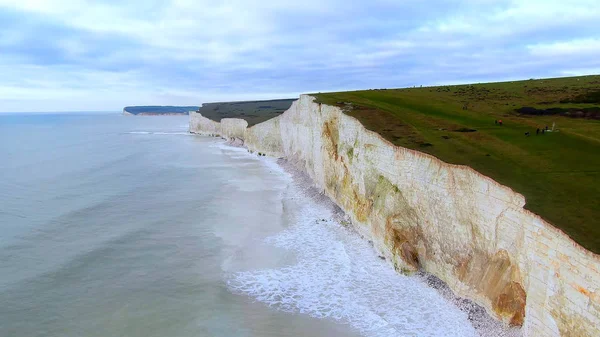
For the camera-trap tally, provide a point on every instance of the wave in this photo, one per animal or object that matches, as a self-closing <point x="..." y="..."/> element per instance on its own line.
<point x="338" y="276"/>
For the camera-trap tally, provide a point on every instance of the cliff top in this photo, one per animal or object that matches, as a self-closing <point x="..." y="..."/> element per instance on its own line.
<point x="253" y="112"/>
<point x="557" y="171"/>
<point x="159" y="109"/>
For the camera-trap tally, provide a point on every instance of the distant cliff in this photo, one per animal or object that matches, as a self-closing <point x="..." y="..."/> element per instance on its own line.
<point x="151" y="110"/>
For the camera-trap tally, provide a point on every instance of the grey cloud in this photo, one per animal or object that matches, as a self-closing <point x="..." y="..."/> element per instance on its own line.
<point x="191" y="52"/>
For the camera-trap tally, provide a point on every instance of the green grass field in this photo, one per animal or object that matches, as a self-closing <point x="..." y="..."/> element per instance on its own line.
<point x="558" y="172"/>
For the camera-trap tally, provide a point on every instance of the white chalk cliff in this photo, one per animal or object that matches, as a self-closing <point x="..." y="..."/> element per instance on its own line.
<point x="449" y="220"/>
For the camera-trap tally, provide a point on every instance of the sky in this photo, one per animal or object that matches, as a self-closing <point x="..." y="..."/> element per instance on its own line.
<point x="80" y="55"/>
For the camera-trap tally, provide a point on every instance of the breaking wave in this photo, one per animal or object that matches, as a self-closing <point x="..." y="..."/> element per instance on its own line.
<point x="338" y="276"/>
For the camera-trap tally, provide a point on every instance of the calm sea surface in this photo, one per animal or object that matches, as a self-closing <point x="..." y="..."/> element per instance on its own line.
<point x="128" y="226"/>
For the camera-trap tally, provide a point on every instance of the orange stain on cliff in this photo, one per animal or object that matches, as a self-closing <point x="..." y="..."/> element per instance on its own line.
<point x="581" y="289"/>
<point x="496" y="278"/>
<point x="331" y="133"/>
<point x="402" y="243"/>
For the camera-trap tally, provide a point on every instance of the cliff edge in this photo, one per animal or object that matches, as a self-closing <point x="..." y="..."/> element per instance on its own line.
<point x="449" y="220"/>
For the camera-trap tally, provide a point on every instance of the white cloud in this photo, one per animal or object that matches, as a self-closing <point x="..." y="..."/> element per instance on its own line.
<point x="582" y="47"/>
<point x="580" y="71"/>
<point x="506" y="18"/>
<point x="142" y="52"/>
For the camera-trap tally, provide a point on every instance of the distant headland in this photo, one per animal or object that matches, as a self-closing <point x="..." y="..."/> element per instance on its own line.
<point x="154" y="110"/>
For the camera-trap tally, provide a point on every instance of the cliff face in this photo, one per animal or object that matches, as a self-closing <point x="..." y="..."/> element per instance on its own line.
<point x="234" y="128"/>
<point x="448" y="220"/>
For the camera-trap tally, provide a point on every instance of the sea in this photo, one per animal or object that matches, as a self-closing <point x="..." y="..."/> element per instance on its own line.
<point x="116" y="225"/>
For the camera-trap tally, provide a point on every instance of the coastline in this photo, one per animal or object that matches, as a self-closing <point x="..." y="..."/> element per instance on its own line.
<point x="308" y="195"/>
<point x="483" y="323"/>
<point x="423" y="214"/>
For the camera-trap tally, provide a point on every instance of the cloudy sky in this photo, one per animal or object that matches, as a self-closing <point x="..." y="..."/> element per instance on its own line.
<point x="79" y="55"/>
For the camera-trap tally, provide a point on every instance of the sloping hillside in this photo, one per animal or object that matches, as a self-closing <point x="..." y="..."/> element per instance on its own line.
<point x="557" y="171"/>
<point x="158" y="110"/>
<point x="253" y="112"/>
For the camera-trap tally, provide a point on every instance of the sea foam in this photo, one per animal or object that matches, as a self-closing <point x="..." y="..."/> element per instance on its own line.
<point x="338" y="276"/>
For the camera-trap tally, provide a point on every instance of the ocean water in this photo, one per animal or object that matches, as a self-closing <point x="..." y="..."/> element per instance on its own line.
<point x="128" y="226"/>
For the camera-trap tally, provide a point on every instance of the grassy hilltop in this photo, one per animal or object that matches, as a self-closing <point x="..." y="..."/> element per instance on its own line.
<point x="253" y="112"/>
<point x="159" y="109"/>
<point x="558" y="172"/>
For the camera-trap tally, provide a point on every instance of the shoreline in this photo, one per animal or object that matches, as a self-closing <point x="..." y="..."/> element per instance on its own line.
<point x="424" y="214"/>
<point x="482" y="322"/>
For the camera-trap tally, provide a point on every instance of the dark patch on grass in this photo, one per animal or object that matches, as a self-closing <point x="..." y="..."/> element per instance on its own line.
<point x="465" y="130"/>
<point x="589" y="113"/>
<point x="253" y="112"/>
<point x="159" y="109"/>
<point x="587" y="97"/>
